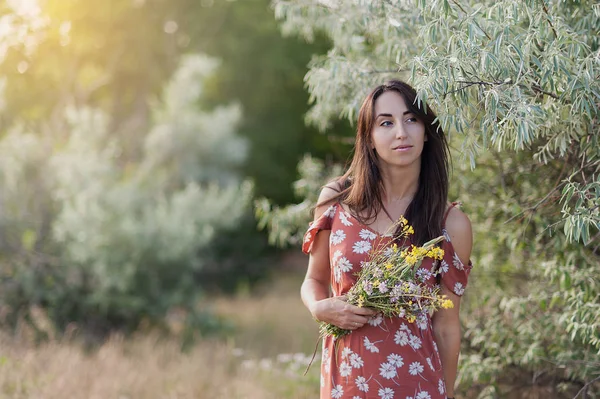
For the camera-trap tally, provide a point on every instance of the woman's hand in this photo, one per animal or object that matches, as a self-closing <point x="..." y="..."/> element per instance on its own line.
<point x="337" y="311"/>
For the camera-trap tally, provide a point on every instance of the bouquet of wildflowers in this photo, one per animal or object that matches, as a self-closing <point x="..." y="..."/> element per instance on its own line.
<point x="391" y="282"/>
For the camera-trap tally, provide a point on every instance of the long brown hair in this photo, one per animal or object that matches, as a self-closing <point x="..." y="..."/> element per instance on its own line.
<point x="361" y="186"/>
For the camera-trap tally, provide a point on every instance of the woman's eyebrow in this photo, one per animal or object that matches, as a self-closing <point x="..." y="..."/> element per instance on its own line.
<point x="390" y="115"/>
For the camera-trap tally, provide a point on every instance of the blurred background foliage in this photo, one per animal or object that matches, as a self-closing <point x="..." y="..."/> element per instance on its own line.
<point x="134" y="136"/>
<point x="140" y="138"/>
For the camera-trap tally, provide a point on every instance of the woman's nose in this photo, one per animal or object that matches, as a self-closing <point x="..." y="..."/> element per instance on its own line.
<point x="400" y="132"/>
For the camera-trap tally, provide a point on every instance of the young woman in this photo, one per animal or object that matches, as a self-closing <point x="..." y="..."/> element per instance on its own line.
<point x="399" y="168"/>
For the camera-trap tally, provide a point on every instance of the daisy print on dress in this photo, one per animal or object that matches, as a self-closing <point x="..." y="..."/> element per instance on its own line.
<point x="423" y="395"/>
<point x="362" y="384"/>
<point x="337" y="392"/>
<point x="344" y="219"/>
<point x="386" y="393"/>
<point x="414" y="342"/>
<point x="415" y="368"/>
<point x="337" y="237"/>
<point x="444" y="266"/>
<point x="441" y="386"/>
<point x="395" y="360"/>
<point x="336" y="255"/>
<point x="346" y="352"/>
<point x="401" y="338"/>
<point x="345" y="369"/>
<point x="361" y="247"/>
<point x="387" y="371"/>
<point x="330" y="211"/>
<point x="370" y="346"/>
<point x="367" y="234"/>
<point x="459" y="289"/>
<point x="344" y="264"/>
<point x="457" y="262"/>
<point x="356" y="361"/>
<point x="376" y="320"/>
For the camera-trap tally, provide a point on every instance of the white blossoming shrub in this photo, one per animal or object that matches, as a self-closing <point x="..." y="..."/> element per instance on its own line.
<point x="106" y="244"/>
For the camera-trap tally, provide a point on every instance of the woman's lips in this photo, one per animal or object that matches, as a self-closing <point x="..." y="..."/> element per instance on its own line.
<point x="402" y="148"/>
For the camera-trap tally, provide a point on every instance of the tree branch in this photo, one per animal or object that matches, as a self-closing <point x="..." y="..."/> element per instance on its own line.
<point x="548" y="18"/>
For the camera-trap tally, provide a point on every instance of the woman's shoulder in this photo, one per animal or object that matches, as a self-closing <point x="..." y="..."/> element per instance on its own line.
<point x="458" y="227"/>
<point x="328" y="195"/>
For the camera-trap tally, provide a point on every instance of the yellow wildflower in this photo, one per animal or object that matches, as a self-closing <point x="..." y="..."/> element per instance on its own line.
<point x="411" y="318"/>
<point x="389" y="266"/>
<point x="447" y="304"/>
<point x="361" y="301"/>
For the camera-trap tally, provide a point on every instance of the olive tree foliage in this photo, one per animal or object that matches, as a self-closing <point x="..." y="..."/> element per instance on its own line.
<point x="516" y="85"/>
<point x="106" y="244"/>
<point x="505" y="74"/>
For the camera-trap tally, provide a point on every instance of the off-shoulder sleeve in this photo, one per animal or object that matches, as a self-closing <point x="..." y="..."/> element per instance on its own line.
<point x="454" y="273"/>
<point x="322" y="223"/>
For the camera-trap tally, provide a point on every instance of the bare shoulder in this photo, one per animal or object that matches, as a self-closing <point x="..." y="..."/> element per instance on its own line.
<point x="459" y="229"/>
<point x="326" y="197"/>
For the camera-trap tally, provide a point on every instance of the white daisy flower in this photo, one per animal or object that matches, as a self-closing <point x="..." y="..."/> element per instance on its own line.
<point x="423" y="395"/>
<point x="435" y="347"/>
<point x="376" y="320"/>
<point x="322" y="381"/>
<point x="337" y="392"/>
<point x="337" y="273"/>
<point x="361" y="383"/>
<point x="389" y="251"/>
<point x="356" y="397"/>
<point x="459" y="289"/>
<point x="344" y="219"/>
<point x="415" y="342"/>
<point x="395" y="360"/>
<point x="356" y="361"/>
<point x="444" y="266"/>
<point x="344" y="264"/>
<point x="422" y="322"/>
<point x="346" y="352"/>
<point x="367" y="235"/>
<point x="336" y="255"/>
<point x="387" y="371"/>
<point x="330" y="211"/>
<point x="415" y="368"/>
<point x="337" y="237"/>
<point x="430" y="364"/>
<point x="307" y="237"/>
<point x="441" y="386"/>
<point x="386" y="393"/>
<point x="370" y="346"/>
<point x="345" y="369"/>
<point x="361" y="247"/>
<point x="401" y="338"/>
<point x="456" y="262"/>
<point x="404" y="327"/>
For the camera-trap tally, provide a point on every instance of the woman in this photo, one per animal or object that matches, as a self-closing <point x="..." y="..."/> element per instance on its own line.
<point x="399" y="168"/>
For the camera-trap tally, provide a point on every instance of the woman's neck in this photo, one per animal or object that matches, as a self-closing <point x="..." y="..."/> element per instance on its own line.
<point x="400" y="184"/>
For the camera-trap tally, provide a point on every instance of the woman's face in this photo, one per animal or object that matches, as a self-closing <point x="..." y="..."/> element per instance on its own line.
<point x="397" y="136"/>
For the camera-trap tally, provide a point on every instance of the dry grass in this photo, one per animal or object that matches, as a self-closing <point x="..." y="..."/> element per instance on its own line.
<point x="254" y="362"/>
<point x="243" y="365"/>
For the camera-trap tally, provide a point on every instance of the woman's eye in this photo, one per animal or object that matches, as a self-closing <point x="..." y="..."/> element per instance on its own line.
<point x="411" y="120"/>
<point x="386" y="123"/>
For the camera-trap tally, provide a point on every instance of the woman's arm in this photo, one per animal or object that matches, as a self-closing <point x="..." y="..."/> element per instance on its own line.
<point x="446" y="323"/>
<point x="315" y="288"/>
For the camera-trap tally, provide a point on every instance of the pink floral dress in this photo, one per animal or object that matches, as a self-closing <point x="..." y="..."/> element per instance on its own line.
<point x="388" y="358"/>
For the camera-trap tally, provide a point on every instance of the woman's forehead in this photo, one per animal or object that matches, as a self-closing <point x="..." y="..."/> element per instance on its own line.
<point x="390" y="102"/>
